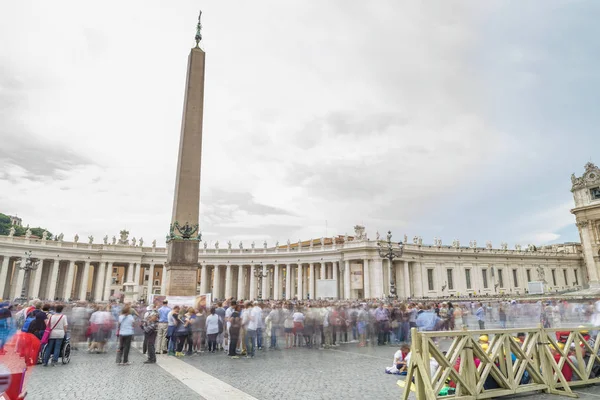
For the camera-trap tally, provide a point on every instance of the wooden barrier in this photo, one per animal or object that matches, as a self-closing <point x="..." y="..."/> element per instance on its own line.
<point x="505" y="367"/>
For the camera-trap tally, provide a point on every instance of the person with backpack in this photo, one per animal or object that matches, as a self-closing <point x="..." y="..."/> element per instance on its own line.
<point x="38" y="325"/>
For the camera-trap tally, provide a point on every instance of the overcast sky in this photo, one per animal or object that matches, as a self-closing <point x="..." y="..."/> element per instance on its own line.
<point x="450" y="119"/>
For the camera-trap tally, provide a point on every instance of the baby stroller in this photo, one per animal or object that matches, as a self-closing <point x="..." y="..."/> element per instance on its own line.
<point x="65" y="350"/>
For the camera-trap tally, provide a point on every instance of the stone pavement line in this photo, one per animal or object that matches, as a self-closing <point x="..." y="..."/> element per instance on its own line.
<point x="202" y="383"/>
<point x="586" y="394"/>
<point x="360" y="354"/>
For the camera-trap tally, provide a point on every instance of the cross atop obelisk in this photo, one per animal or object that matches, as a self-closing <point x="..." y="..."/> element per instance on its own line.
<point x="199" y="30"/>
<point x="184" y="233"/>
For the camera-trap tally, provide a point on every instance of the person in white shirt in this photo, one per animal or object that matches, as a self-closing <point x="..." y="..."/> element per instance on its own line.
<point x="227" y="322"/>
<point x="254" y="318"/>
<point x="401" y="359"/>
<point x="58" y="329"/>
<point x="212" y="330"/>
<point x="298" y="319"/>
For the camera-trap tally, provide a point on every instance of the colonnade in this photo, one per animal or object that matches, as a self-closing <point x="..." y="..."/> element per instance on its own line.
<point x="349" y="270"/>
<point x="269" y="281"/>
<point x="68" y="280"/>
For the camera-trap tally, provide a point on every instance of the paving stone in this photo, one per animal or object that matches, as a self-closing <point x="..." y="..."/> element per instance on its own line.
<point x="97" y="376"/>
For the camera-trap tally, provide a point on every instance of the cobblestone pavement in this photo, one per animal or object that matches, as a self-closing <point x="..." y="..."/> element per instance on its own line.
<point x="344" y="372"/>
<point x="347" y="372"/>
<point x="96" y="376"/>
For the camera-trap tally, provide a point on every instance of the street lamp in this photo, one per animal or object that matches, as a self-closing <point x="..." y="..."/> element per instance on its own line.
<point x="31" y="264"/>
<point x="259" y="274"/>
<point x="386" y="250"/>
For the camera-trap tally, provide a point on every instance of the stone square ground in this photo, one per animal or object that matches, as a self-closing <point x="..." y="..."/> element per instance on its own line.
<point x="344" y="372"/>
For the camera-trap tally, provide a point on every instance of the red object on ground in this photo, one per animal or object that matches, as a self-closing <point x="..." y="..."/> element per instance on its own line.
<point x="28" y="347"/>
<point x="13" y="369"/>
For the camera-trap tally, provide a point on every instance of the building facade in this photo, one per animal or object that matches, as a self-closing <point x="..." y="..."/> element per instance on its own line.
<point x="352" y="267"/>
<point x="586" y="193"/>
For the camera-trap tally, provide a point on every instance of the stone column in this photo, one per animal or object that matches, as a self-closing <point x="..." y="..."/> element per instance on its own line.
<point x="311" y="282"/>
<point x="276" y="283"/>
<point x="150" y="282"/>
<point x="588" y="254"/>
<point x="136" y="279"/>
<point x="108" y="281"/>
<point x="300" y="276"/>
<point x="347" y="280"/>
<point x="84" y="281"/>
<point x="288" y="282"/>
<point x="264" y="287"/>
<point x="69" y="283"/>
<point x="334" y="267"/>
<point x="407" y="279"/>
<point x="53" y="278"/>
<point x="100" y="281"/>
<point x="366" y="279"/>
<point x="37" y="280"/>
<point x="252" y="283"/>
<point x="241" y="282"/>
<point x="3" y="274"/>
<point x="204" y="279"/>
<point x="377" y="288"/>
<point x="217" y="283"/>
<point x="322" y="270"/>
<point x="163" y="282"/>
<point x="20" y="278"/>
<point x="130" y="268"/>
<point x="228" y="282"/>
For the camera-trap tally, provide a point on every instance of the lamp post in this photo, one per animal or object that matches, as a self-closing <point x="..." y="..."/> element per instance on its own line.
<point x="259" y="274"/>
<point x="386" y="250"/>
<point x="31" y="264"/>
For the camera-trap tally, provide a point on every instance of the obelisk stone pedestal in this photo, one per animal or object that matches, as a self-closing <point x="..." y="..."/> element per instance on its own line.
<point x="183" y="267"/>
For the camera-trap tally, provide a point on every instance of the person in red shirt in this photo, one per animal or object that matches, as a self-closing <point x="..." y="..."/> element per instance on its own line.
<point x="566" y="370"/>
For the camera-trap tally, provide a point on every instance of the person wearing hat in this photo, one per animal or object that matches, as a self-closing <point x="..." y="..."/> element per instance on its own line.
<point x="150" y="310"/>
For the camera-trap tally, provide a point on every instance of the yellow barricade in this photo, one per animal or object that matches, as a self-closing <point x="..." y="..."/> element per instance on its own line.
<point x="503" y="366"/>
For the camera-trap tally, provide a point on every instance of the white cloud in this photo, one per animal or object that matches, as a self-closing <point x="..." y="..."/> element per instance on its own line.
<point x="331" y="111"/>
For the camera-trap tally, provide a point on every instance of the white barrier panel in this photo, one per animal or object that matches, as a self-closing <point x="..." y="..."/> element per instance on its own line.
<point x="326" y="288"/>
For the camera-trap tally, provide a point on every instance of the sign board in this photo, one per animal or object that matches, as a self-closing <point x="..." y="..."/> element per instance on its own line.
<point x="326" y="288"/>
<point x="356" y="276"/>
<point x="202" y="300"/>
<point x="536" y="287"/>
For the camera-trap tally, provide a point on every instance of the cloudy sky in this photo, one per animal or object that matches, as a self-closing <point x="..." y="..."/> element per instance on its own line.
<point x="460" y="119"/>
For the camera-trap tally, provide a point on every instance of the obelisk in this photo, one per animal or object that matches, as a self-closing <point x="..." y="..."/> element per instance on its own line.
<point x="184" y="234"/>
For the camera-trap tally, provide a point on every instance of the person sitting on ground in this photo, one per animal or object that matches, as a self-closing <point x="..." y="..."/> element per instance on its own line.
<point x="401" y="360"/>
